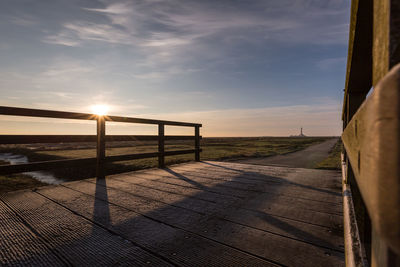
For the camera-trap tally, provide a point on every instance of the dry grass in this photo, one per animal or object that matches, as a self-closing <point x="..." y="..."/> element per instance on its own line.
<point x="333" y="161"/>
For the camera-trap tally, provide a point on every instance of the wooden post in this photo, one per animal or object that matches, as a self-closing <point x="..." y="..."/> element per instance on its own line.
<point x="197" y="142"/>
<point x="161" y="141"/>
<point x="386" y="41"/>
<point x="101" y="147"/>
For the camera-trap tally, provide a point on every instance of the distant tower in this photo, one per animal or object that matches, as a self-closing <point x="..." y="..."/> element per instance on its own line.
<point x="301" y="132"/>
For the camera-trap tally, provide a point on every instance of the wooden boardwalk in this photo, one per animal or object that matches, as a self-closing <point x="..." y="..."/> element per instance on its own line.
<point x="194" y="214"/>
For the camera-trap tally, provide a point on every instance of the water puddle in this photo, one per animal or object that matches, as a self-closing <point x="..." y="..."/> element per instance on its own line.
<point x="41" y="176"/>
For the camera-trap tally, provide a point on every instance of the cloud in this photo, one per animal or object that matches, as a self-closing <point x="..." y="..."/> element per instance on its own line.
<point x="322" y="118"/>
<point x="183" y="34"/>
<point x="176" y="23"/>
<point x="25" y="20"/>
<point x="329" y="63"/>
<point x="61" y="38"/>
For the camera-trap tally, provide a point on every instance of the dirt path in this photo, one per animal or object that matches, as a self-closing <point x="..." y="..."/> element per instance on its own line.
<point x="306" y="158"/>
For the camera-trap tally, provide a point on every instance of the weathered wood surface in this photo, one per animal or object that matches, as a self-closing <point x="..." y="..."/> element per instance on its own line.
<point x="372" y="142"/>
<point x="34" y="139"/>
<point x="14" y="111"/>
<point x="359" y="58"/>
<point x="386" y="41"/>
<point x="195" y="214"/>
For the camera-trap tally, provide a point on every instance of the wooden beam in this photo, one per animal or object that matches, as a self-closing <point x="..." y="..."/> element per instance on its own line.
<point x="372" y="143"/>
<point x="386" y="41"/>
<point x="28" y="112"/>
<point x="127" y="157"/>
<point x="359" y="58"/>
<point x="161" y="146"/>
<point x="180" y="152"/>
<point x="353" y="247"/>
<point x="197" y="142"/>
<point x="45" y="139"/>
<point x="46" y="165"/>
<point x="149" y="121"/>
<point x="101" y="147"/>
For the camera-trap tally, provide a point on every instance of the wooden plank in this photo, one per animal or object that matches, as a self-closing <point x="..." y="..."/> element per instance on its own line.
<point x="179" y="152"/>
<point x="161" y="148"/>
<point x="242" y="190"/>
<point x="131" y="156"/>
<point x="185" y="227"/>
<point x="197" y="143"/>
<point x="254" y="241"/>
<point x="34" y="139"/>
<point x="46" y="165"/>
<point x="386" y="41"/>
<point x="100" y="147"/>
<point x="14" y="111"/>
<point x="282" y="180"/>
<point x="304" y="177"/>
<point x="233" y="185"/>
<point x="28" y="112"/>
<point x="287" y="189"/>
<point x="291" y="178"/>
<point x="72" y="163"/>
<point x="211" y="204"/>
<point x="76" y="239"/>
<point x="148" y="121"/>
<point x="359" y="58"/>
<point x="226" y="195"/>
<point x="353" y="246"/>
<point x="20" y="246"/>
<point x="372" y="143"/>
<point x="382" y="254"/>
<point x="136" y="222"/>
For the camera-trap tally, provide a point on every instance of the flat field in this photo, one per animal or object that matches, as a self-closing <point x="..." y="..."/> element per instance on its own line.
<point x="213" y="149"/>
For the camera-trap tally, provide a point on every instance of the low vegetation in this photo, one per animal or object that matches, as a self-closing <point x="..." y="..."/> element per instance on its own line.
<point x="213" y="149"/>
<point x="333" y="161"/>
<point x="18" y="181"/>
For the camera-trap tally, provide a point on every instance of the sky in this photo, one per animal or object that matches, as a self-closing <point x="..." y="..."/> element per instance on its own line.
<point x="241" y="68"/>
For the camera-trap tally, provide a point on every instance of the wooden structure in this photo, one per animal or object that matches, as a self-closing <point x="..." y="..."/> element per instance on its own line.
<point x="371" y="135"/>
<point x="100" y="138"/>
<point x="193" y="214"/>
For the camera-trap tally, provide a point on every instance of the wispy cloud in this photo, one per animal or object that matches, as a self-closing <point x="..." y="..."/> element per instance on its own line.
<point x="321" y="118"/>
<point x="175" y="23"/>
<point x="329" y="63"/>
<point x="24" y="20"/>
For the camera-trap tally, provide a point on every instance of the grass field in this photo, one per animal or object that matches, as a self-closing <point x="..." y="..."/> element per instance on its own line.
<point x="333" y="161"/>
<point x="213" y="149"/>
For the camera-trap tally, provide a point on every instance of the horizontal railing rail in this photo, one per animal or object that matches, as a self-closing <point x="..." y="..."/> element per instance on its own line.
<point x="100" y="138"/>
<point x="41" y="113"/>
<point x="46" y="139"/>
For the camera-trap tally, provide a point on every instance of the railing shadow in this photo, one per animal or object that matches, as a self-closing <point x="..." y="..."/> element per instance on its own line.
<point x="101" y="210"/>
<point x="277" y="179"/>
<point x="166" y="223"/>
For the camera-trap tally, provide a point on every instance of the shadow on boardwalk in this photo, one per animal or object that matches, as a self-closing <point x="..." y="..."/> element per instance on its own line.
<point x="203" y="214"/>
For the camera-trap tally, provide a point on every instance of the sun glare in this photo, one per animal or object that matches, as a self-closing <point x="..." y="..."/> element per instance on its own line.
<point x="100" y="109"/>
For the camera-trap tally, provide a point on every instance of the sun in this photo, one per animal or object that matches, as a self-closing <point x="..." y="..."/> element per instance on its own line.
<point x="100" y="109"/>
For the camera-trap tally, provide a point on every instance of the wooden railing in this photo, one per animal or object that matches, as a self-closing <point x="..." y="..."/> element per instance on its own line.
<point x="101" y="138"/>
<point x="371" y="135"/>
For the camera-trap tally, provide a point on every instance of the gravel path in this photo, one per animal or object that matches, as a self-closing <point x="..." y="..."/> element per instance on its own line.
<point x="306" y="158"/>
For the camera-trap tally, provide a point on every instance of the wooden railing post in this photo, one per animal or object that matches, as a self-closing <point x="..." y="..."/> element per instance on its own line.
<point x="197" y="142"/>
<point x="101" y="146"/>
<point x="161" y="141"/>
